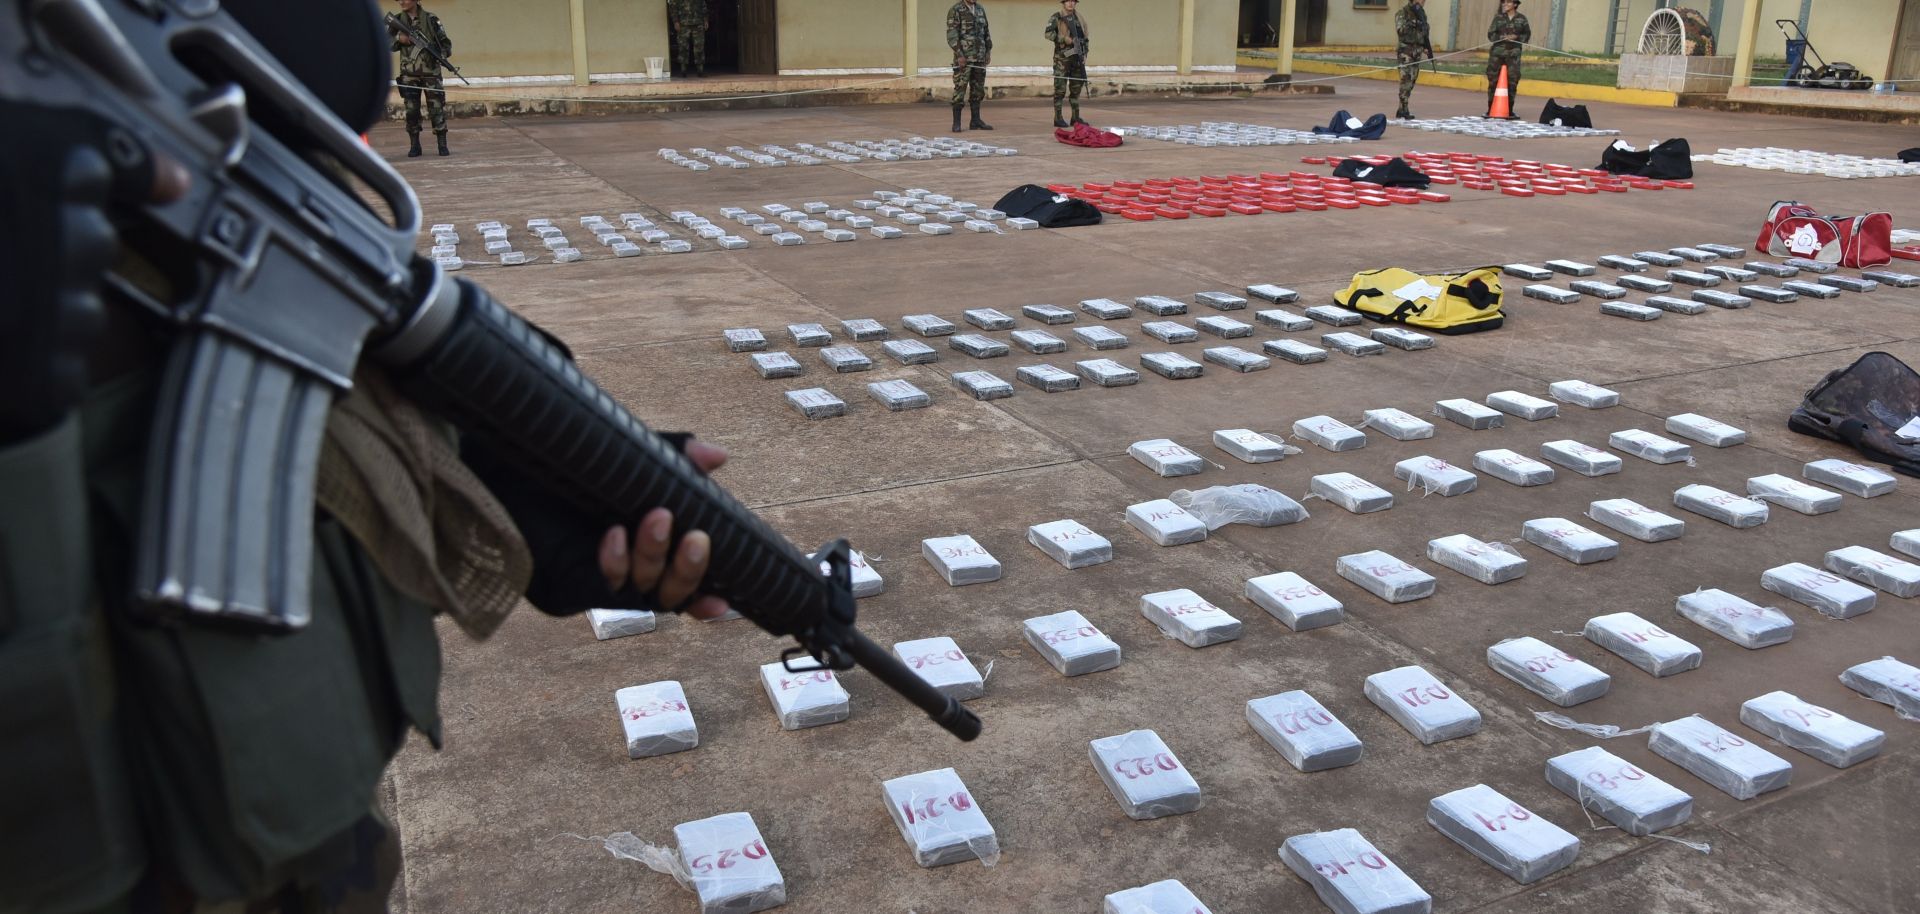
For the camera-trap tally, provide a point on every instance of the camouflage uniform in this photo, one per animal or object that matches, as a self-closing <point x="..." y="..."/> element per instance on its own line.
<point x="970" y="38"/>
<point x="690" y="34"/>
<point x="420" y="75"/>
<point x="1506" y="52"/>
<point x="1410" y="26"/>
<point x="1070" y="46"/>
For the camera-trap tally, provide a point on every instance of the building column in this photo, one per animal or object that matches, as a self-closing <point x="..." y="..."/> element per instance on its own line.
<point x="577" y="12"/>
<point x="909" y="38"/>
<point x="1283" y="54"/>
<point x="1743" y="47"/>
<point x="1186" y="37"/>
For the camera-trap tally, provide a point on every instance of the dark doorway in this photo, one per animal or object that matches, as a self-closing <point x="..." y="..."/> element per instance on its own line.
<point x="759" y="37"/>
<point x="723" y="36"/>
<point x="1259" y="23"/>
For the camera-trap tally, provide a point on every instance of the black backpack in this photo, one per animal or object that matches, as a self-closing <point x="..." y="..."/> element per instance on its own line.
<point x="1565" y="115"/>
<point x="1670" y="160"/>
<point x="1395" y="173"/>
<point x="1910" y="155"/>
<point x="1863" y="405"/>
<point x="1051" y="210"/>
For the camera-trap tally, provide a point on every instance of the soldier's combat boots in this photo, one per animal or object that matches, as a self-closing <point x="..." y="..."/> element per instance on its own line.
<point x="442" y="138"/>
<point x="1076" y="115"/>
<point x="956" y="118"/>
<point x="1059" y="121"/>
<point x="413" y="149"/>
<point x="976" y="123"/>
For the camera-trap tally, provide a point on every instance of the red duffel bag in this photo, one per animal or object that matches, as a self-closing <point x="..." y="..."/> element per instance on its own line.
<point x="1086" y="135"/>
<point x="1794" y="229"/>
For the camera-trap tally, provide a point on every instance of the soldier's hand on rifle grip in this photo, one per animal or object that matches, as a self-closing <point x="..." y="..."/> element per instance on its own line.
<point x="641" y="560"/>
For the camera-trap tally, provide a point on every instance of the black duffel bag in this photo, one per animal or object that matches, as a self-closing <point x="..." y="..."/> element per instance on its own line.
<point x="1395" y="173"/>
<point x="1560" y="115"/>
<point x="1051" y="210"/>
<point x="1669" y="160"/>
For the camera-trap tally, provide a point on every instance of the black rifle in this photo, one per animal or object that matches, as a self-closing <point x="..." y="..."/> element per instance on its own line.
<point x="275" y="278"/>
<point x="396" y="25"/>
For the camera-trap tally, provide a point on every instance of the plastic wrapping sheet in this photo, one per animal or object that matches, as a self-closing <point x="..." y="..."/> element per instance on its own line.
<point x="1397" y="424"/>
<point x="1170" y="331"/>
<point x="944" y="666"/>
<point x="1569" y="540"/>
<point x="1100" y="338"/>
<point x="1171" y="365"/>
<point x="1338" y="317"/>
<point x="1250" y="446"/>
<point x="1718" y="504"/>
<point x="1547" y="671"/>
<point x="1107" y="372"/>
<point x="816" y="403"/>
<point x="1825" y="592"/>
<point x="1160" y="305"/>
<point x="1279" y="295"/>
<point x="1653" y="649"/>
<point x="1659" y="258"/>
<point x="725" y="861"/>
<point x="1282" y="319"/>
<point x="910" y="352"/>
<point x="1386" y="577"/>
<point x="1303" y="731"/>
<point x="960" y="559"/>
<point x="1070" y="643"/>
<point x="865" y="330"/>
<point x="1825" y="735"/>
<point x="940" y="820"/>
<point x="1646" y="284"/>
<point x="1694" y="278"/>
<point x="1435" y="476"/>
<point x="1889" y="682"/>
<point x="1047" y="378"/>
<point x="1167" y="896"/>
<point x="1220" y="301"/>
<point x="1623" y="263"/>
<point x="1747" y="624"/>
<point x="1548" y="293"/>
<point x="809" y="698"/>
<point x="988" y="318"/>
<point x="1581" y="393"/>
<point x="1351" y="492"/>
<point x="1719" y="757"/>
<point x="1293" y="600"/>
<point x="1400" y="338"/>
<point x="1851" y="478"/>
<point x="1145" y="777"/>
<point x="1906" y="542"/>
<point x="1246" y="503"/>
<point x="1584" y="459"/>
<point x="808" y="336"/>
<point x="1524" y="406"/>
<point x="897" y="395"/>
<point x="1469" y="414"/>
<point x="1636" y="802"/>
<point x="1422" y="704"/>
<point x="1791" y="493"/>
<point x="1527" y="272"/>
<point x="1224" y="327"/>
<point x="1510" y="467"/>
<point x="1488" y="563"/>
<point x="1166" y="523"/>
<point x="1508" y="836"/>
<point x="1330" y="433"/>
<point x="1649" y="446"/>
<point x="982" y="385"/>
<point x="1038" y="342"/>
<point x="1597" y="289"/>
<point x="1187" y="617"/>
<point x="1167" y="458"/>
<point x="656" y="718"/>
<point x="1772" y="294"/>
<point x="980" y="347"/>
<point x="1070" y="543"/>
<point x="1294" y="351"/>
<point x="1048" y="314"/>
<point x="1570" y="267"/>
<point x="1817" y="290"/>
<point x="1636" y="520"/>
<point x="745" y="339"/>
<point x="619" y="623"/>
<point x="1105" y="309"/>
<point x="845" y="359"/>
<point x="1733" y="274"/>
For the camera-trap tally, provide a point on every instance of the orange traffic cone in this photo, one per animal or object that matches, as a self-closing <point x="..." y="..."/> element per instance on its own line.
<point x="1502" y="99"/>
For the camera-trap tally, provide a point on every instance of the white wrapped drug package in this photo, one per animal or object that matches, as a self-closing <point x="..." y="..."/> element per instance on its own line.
<point x="1246" y="503"/>
<point x="1876" y="569"/>
<point x="1548" y="671"/>
<point x="1523" y="406"/>
<point x="1905" y="542"/>
<point x="1848" y="477"/>
<point x="1636" y="520"/>
<point x="1249" y="446"/>
<point x="1710" y="432"/>
<point x="1422" y="704"/>
<point x="1889" y="682"/>
<point x="1469" y="414"/>
<point x="1189" y="618"/>
<point x="1168" y="896"/>
<point x="1656" y="651"/>
<point x="1435" y="476"/>
<point x="944" y="666"/>
<point x="656" y="719"/>
<point x="1398" y="424"/>
<point x="1823" y="591"/>
<point x="1386" y="577"/>
<point x="728" y="865"/>
<point x="1826" y="735"/>
<point x="1070" y="643"/>
<point x="1737" y="511"/>
<point x="1649" y="446"/>
<point x="1330" y="433"/>
<point x="1144" y="776"/>
<point x="1634" y="801"/>
<point x="1351" y="492"/>
<point x="1303" y="731"/>
<point x="1509" y="837"/>
<point x="1166" y="458"/>
<point x="1716" y="755"/>
<point x="960" y="559"/>
<point x="1747" y="624"/>
<point x="1166" y="523"/>
<point x="809" y="698"/>
<point x="1293" y="600"/>
<point x="1581" y="393"/>
<point x="940" y="820"/>
<point x="1569" y="540"/>
<point x="1581" y="458"/>
<point x="1351" y="876"/>
<point x="1789" y="492"/>
<point x="1512" y="467"/>
<point x="1070" y="543"/>
<point x="619" y="623"/>
<point x="1488" y="563"/>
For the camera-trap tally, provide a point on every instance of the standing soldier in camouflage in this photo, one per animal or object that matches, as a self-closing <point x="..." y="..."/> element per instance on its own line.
<point x="1410" y="25"/>
<point x="1068" y="32"/>
<point x="1509" y="34"/>
<point x="972" y="44"/>
<point x="420" y="73"/>
<point x="690" y="22"/>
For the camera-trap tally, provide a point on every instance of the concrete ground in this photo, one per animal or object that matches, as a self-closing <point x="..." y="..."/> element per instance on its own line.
<point x="534" y="754"/>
